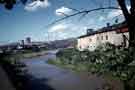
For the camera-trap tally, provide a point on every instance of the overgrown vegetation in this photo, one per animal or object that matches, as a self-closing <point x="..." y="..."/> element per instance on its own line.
<point x="15" y="69"/>
<point x="107" y="58"/>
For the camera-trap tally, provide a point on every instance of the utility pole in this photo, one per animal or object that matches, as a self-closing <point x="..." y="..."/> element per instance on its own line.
<point x="47" y="36"/>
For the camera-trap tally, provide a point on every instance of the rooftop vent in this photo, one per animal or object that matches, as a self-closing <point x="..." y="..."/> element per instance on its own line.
<point x="108" y="24"/>
<point x="89" y="31"/>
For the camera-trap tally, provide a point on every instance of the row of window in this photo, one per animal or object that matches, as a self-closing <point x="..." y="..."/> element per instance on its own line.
<point x="88" y="47"/>
<point x="102" y="38"/>
<point x="91" y="46"/>
<point x="90" y="40"/>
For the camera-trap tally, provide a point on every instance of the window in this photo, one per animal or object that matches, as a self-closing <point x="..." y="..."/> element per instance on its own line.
<point x="101" y="37"/>
<point x="97" y="38"/>
<point x="90" y="40"/>
<point x="80" y="47"/>
<point x="106" y="37"/>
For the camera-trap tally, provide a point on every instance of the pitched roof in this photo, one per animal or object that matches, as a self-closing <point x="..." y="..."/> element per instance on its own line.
<point x="114" y="27"/>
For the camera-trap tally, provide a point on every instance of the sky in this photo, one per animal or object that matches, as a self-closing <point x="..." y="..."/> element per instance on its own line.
<point x="32" y="19"/>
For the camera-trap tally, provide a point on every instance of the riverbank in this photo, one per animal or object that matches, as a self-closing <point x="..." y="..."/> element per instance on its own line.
<point x="93" y="63"/>
<point x="61" y="78"/>
<point x="16" y="69"/>
<point x="5" y="83"/>
<point x="29" y="55"/>
<point x="13" y="71"/>
<point x="82" y="69"/>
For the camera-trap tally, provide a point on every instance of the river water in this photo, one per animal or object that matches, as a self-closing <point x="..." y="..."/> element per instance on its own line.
<point x="43" y="76"/>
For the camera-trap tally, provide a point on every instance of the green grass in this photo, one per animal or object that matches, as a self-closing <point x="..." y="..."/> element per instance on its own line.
<point x="75" y="67"/>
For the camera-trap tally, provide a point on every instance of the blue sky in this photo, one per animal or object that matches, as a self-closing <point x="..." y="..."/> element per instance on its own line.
<point x="31" y="20"/>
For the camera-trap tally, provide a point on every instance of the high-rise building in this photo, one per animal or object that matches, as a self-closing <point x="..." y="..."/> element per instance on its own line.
<point x="28" y="40"/>
<point x="22" y="42"/>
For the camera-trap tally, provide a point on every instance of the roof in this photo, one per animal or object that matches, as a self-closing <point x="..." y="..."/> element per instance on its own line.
<point x="115" y="27"/>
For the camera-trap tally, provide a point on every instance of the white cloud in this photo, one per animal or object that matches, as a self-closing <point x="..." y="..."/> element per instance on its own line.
<point x="59" y="31"/>
<point x="66" y="30"/>
<point x="58" y="28"/>
<point x="63" y="35"/>
<point x="114" y="13"/>
<point x="36" y="5"/>
<point x="63" y="10"/>
<point x="101" y="18"/>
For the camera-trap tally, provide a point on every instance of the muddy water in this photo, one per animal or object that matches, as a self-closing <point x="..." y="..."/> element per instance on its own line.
<point x="49" y="77"/>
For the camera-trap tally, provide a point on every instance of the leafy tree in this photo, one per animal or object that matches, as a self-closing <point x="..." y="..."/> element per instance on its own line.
<point x="8" y="3"/>
<point x="119" y="62"/>
<point x="130" y="18"/>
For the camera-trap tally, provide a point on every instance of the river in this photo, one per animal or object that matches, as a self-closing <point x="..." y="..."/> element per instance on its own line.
<point x="43" y="76"/>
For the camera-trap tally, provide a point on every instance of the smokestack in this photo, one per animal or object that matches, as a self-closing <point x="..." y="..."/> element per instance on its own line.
<point x="89" y="31"/>
<point x="116" y="21"/>
<point x="108" y="24"/>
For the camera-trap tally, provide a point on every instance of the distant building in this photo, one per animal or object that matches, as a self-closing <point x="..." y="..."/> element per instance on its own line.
<point x="28" y="40"/>
<point x="116" y="34"/>
<point x="22" y="42"/>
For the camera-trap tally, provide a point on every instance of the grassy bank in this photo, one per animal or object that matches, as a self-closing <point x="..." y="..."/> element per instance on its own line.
<point x="112" y="83"/>
<point x="30" y="55"/>
<point x="75" y="67"/>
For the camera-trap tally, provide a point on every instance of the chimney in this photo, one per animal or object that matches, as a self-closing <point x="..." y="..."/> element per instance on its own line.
<point x="89" y="31"/>
<point x="108" y="24"/>
<point x="116" y="21"/>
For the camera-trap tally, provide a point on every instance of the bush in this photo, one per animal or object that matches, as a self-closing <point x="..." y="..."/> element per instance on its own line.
<point x="15" y="69"/>
<point x="118" y="61"/>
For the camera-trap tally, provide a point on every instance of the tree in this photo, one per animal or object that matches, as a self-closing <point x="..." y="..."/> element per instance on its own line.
<point x="118" y="62"/>
<point x="8" y="3"/>
<point x="130" y="19"/>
